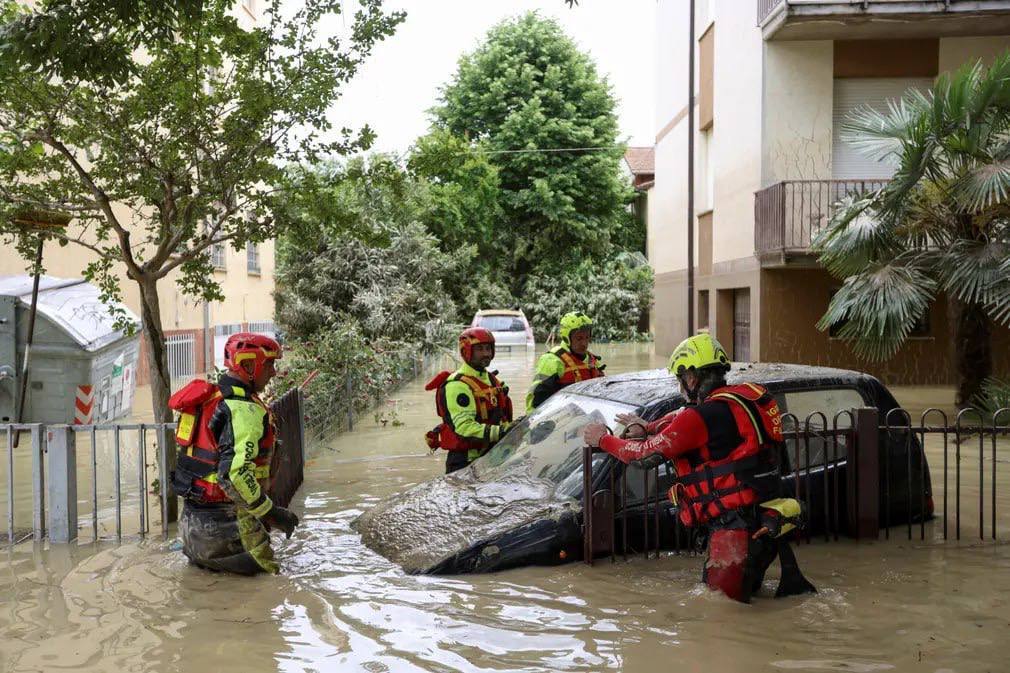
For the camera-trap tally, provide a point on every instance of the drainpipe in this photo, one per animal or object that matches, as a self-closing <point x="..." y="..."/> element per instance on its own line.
<point x="690" y="174"/>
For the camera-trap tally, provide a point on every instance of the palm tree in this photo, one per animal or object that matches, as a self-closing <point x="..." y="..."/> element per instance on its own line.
<point x="942" y="224"/>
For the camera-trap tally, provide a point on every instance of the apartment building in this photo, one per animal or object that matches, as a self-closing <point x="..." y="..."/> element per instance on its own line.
<point x="774" y="78"/>
<point x="195" y="332"/>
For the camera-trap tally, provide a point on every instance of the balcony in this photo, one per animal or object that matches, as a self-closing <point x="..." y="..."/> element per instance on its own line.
<point x="789" y="214"/>
<point x="881" y="19"/>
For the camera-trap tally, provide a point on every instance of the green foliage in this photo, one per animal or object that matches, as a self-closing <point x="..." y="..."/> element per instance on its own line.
<point x="165" y="156"/>
<point x="354" y="372"/>
<point x="535" y="106"/>
<point x="941" y="225"/>
<point x="355" y="252"/>
<point x="93" y="39"/>
<point x="994" y="396"/>
<point x="615" y="295"/>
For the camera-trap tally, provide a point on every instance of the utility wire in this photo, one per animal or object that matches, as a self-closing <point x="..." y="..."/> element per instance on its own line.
<point x="552" y="149"/>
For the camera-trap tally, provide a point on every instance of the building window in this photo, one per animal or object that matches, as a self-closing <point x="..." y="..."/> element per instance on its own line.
<point x="217" y="256"/>
<point x="741" y="325"/>
<point x="702" y="310"/>
<point x="252" y="252"/>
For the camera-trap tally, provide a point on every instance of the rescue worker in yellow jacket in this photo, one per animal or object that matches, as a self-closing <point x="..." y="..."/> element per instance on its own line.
<point x="567" y="363"/>
<point x="226" y="440"/>
<point x="472" y="402"/>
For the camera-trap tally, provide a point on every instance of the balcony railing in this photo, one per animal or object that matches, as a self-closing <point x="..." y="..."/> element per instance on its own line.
<point x="789" y="214"/>
<point x="765" y="8"/>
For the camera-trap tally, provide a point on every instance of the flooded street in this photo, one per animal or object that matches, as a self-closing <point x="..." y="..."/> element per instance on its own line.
<point x="338" y="606"/>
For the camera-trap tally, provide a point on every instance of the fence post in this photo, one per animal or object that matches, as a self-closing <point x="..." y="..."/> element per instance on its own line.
<point x="62" y="447"/>
<point x="300" y="407"/>
<point x="587" y="505"/>
<point x="863" y="476"/>
<point x="38" y="483"/>
<point x="166" y="464"/>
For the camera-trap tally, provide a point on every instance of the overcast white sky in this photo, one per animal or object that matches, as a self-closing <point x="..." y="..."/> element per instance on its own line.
<point x="402" y="79"/>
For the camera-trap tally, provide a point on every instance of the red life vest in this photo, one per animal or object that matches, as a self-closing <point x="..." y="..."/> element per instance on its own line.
<point x="492" y="407"/>
<point x="739" y="466"/>
<point x="196" y="462"/>
<point x="575" y="369"/>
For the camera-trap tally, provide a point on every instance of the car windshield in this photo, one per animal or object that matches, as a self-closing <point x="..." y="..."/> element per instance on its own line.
<point x="501" y="323"/>
<point x="547" y="444"/>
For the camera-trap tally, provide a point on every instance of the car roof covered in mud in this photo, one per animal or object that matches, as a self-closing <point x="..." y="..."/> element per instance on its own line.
<point x="645" y="388"/>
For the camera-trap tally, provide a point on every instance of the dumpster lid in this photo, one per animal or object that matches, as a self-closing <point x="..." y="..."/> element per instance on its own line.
<point x="72" y="304"/>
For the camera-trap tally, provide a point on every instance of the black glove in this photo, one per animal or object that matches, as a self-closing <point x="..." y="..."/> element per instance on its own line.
<point x="281" y="518"/>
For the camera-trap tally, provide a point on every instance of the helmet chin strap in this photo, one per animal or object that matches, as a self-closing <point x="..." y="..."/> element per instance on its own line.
<point x="692" y="393"/>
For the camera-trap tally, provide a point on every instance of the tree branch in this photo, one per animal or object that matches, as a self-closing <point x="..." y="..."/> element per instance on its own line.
<point x="103" y="201"/>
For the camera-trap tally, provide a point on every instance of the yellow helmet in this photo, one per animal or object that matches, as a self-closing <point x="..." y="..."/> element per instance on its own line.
<point x="571" y="322"/>
<point x="698" y="352"/>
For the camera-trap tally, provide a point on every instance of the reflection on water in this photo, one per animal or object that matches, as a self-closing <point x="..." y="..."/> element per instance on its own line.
<point x="340" y="607"/>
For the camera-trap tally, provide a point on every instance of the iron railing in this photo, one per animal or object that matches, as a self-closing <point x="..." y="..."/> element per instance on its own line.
<point x="764" y="8"/>
<point x="50" y="463"/>
<point x="181" y="356"/>
<point x="788" y="215"/>
<point x="859" y="476"/>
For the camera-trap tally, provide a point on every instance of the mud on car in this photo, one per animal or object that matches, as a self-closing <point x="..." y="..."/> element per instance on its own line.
<point x="521" y="503"/>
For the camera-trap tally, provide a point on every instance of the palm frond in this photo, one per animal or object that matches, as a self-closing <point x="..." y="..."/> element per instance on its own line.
<point x="995" y="395"/>
<point x="998" y="305"/>
<point x="984" y="185"/>
<point x="971" y="270"/>
<point x="879" y="307"/>
<point x="882" y="135"/>
<point x="853" y="238"/>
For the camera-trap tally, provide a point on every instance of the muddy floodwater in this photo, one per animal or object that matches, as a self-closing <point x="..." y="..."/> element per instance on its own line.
<point x="137" y="606"/>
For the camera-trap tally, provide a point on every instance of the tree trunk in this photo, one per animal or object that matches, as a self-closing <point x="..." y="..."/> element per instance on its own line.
<point x="972" y="349"/>
<point x="157" y="354"/>
<point x="161" y="386"/>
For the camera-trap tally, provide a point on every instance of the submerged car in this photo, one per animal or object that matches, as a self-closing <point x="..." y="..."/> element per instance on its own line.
<point x="511" y="329"/>
<point x="520" y="504"/>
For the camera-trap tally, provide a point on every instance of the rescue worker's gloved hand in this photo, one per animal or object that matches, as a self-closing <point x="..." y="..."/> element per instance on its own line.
<point x="281" y="518"/>
<point x="593" y="433"/>
<point x="629" y="419"/>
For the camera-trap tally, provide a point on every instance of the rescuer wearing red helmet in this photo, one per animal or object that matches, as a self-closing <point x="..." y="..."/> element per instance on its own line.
<point x="226" y="440"/>
<point x="472" y="402"/>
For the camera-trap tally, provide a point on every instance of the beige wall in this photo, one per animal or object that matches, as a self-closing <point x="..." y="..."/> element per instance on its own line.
<point x="798" y="97"/>
<point x="736" y="134"/>
<point x="248" y="297"/>
<point x="669" y="315"/>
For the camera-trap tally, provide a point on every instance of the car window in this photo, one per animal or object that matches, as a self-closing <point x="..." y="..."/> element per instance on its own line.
<point x="797" y="407"/>
<point x="501" y="323"/>
<point x="547" y="444"/>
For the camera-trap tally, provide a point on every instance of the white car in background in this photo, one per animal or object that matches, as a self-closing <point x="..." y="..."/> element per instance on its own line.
<point x="511" y="329"/>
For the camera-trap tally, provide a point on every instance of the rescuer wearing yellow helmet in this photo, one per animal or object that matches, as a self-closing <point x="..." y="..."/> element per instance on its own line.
<point x="725" y="447"/>
<point x="567" y="363"/>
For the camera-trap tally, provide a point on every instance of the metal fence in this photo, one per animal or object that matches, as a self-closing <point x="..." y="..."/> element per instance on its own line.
<point x="71" y="478"/>
<point x="788" y="215"/>
<point x="181" y="356"/>
<point x="859" y="476"/>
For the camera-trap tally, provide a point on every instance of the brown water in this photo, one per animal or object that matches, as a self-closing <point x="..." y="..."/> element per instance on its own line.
<point x="339" y="607"/>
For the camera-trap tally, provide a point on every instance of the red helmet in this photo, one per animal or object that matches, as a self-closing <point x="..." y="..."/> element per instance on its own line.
<point x="471" y="337"/>
<point x="244" y="346"/>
